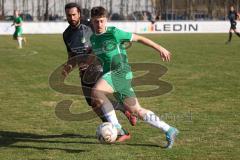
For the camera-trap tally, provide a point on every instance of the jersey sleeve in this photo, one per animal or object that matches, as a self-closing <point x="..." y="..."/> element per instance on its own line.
<point x="68" y="49"/>
<point x="122" y="35"/>
<point x="87" y="35"/>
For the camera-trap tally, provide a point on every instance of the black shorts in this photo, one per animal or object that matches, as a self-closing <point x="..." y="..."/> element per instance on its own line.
<point x="89" y="78"/>
<point x="87" y="91"/>
<point x="233" y="25"/>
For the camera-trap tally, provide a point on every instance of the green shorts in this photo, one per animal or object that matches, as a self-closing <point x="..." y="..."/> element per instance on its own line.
<point x="17" y="33"/>
<point x="121" y="82"/>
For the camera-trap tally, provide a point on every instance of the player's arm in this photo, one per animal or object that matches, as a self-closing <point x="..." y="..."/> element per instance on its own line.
<point x="71" y="62"/>
<point x="14" y="23"/>
<point x="165" y="54"/>
<point x="68" y="67"/>
<point x="18" y="24"/>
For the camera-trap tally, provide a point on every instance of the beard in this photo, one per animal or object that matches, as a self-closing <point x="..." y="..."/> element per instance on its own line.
<point x="74" y="23"/>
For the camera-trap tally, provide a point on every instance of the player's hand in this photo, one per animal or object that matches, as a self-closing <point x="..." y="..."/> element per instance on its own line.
<point x="83" y="66"/>
<point x="165" y="54"/>
<point x="66" y="69"/>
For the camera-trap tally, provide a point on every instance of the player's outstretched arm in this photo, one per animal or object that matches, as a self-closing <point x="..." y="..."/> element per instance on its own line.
<point x="164" y="53"/>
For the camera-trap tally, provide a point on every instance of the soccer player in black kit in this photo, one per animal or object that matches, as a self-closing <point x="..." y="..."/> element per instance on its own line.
<point x="232" y="16"/>
<point x="77" y="40"/>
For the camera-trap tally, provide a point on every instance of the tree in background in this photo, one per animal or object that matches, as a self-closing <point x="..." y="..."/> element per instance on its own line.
<point x="163" y="9"/>
<point x="2" y="8"/>
<point x="210" y="8"/>
<point x="46" y="14"/>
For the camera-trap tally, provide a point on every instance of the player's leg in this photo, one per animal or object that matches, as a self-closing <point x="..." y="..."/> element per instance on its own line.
<point x="151" y="118"/>
<point x="121" y="107"/>
<point x="100" y="99"/>
<point x="87" y="89"/>
<point x="236" y="32"/>
<point x="89" y="78"/>
<point x="133" y="105"/>
<point x="24" y="40"/>
<point x="19" y="37"/>
<point x="230" y="36"/>
<point x="19" y="40"/>
<point x="15" y="37"/>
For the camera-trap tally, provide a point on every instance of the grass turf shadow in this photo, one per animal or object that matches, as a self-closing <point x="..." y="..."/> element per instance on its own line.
<point x="8" y="139"/>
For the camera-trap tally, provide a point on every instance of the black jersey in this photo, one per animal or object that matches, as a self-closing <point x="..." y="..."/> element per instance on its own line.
<point x="232" y="16"/>
<point x="77" y="40"/>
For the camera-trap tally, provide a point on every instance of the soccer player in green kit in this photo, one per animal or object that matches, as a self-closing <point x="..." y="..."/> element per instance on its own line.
<point x="18" y="29"/>
<point x="107" y="45"/>
<point x="77" y="40"/>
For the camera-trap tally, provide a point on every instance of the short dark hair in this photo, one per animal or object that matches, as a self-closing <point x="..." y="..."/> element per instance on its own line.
<point x="98" y="12"/>
<point x="72" y="5"/>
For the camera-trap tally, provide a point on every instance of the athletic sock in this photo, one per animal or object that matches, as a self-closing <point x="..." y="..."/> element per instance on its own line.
<point x="230" y="37"/>
<point x="155" y="121"/>
<point x="118" y="106"/>
<point x="110" y="115"/>
<point x="100" y="113"/>
<point x="19" y="42"/>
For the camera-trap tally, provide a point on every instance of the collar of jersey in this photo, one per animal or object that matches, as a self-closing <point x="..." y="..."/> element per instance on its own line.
<point x="76" y="27"/>
<point x="101" y="33"/>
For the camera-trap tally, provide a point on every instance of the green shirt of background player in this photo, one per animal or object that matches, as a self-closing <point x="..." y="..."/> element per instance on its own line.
<point x="107" y="46"/>
<point x="17" y="22"/>
<point x="18" y="26"/>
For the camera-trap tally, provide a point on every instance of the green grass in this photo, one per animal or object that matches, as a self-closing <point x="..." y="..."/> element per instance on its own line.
<point x="205" y="76"/>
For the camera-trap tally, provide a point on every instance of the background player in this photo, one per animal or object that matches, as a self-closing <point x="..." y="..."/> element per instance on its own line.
<point x="107" y="45"/>
<point x="232" y="16"/>
<point x="18" y="29"/>
<point x="77" y="41"/>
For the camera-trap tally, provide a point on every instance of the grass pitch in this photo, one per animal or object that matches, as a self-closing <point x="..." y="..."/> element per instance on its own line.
<point x="203" y="105"/>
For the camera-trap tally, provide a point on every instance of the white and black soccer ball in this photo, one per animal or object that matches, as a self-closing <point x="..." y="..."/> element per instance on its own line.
<point x="106" y="133"/>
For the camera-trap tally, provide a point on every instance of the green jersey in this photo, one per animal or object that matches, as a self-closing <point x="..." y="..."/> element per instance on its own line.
<point x="18" y="20"/>
<point x="18" y="29"/>
<point x="109" y="48"/>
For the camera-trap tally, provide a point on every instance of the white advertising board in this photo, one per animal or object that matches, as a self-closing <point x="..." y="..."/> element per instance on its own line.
<point x="136" y="27"/>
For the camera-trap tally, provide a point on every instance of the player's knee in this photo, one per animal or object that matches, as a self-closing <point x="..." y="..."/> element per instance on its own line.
<point x="96" y="100"/>
<point x="138" y="111"/>
<point x="141" y="113"/>
<point x="95" y="103"/>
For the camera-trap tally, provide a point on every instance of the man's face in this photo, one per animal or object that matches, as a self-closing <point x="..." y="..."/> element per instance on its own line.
<point x="16" y="13"/>
<point x="232" y="8"/>
<point x="99" y="24"/>
<point x="73" y="16"/>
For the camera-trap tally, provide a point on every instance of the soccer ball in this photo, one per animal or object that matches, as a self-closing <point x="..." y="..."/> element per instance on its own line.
<point x="106" y="133"/>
